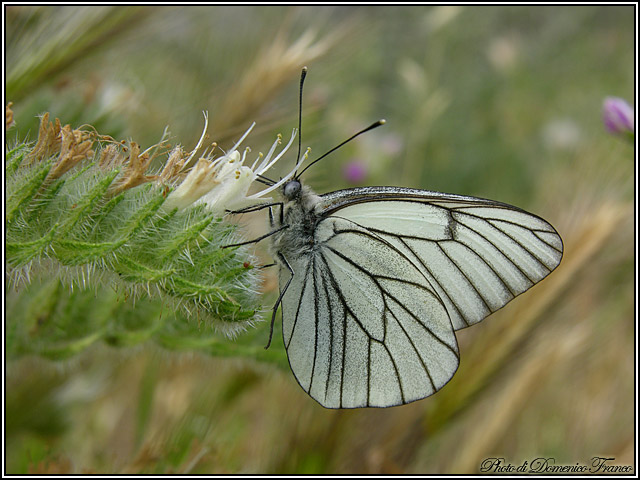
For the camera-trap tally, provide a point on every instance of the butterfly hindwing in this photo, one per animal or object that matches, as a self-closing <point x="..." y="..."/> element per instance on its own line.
<point x="361" y="324"/>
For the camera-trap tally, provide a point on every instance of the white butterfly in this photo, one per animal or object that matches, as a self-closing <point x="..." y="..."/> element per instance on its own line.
<point x="375" y="281"/>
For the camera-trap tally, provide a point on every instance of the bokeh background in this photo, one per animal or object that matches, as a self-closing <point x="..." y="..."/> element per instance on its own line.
<point x="498" y="102"/>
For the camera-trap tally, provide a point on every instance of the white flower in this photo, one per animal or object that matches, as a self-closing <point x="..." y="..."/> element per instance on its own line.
<point x="223" y="183"/>
<point x="198" y="182"/>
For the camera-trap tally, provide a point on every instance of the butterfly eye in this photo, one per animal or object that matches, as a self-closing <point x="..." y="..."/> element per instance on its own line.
<point x="292" y="189"/>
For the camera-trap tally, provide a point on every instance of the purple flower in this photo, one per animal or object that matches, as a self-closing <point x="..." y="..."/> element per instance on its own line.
<point x="618" y="116"/>
<point x="355" y="172"/>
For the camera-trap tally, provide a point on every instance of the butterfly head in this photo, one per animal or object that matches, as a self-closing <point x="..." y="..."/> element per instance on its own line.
<point x="292" y="189"/>
<point x="299" y="196"/>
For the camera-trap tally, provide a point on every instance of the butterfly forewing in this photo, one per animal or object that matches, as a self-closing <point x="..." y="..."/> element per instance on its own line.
<point x="476" y="254"/>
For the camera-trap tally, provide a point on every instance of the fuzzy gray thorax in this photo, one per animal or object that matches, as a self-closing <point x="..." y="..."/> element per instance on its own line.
<point x="301" y="217"/>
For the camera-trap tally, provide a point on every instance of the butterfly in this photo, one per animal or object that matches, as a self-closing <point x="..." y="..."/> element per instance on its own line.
<point x="375" y="281"/>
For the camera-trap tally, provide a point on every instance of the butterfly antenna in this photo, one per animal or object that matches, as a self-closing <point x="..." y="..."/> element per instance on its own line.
<point x="263" y="179"/>
<point x="370" y="127"/>
<point x="264" y="182"/>
<point x="303" y="75"/>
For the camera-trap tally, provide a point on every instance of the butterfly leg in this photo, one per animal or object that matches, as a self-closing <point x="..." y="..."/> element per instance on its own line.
<point x="273" y="232"/>
<point x="271" y="220"/>
<point x="254" y="208"/>
<point x="275" y="307"/>
<point x="271" y="217"/>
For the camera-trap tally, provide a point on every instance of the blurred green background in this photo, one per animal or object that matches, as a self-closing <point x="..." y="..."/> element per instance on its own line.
<point x="497" y="102"/>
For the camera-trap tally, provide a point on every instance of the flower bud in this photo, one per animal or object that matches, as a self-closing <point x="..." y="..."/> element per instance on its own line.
<point x="618" y="116"/>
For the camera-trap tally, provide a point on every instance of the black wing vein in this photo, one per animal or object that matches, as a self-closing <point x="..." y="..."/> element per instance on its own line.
<point x="496" y="272"/>
<point x="426" y="267"/>
<point x="413" y="345"/>
<point x="471" y="283"/>
<point x="295" y="320"/>
<point x="315" y="312"/>
<point x="509" y="259"/>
